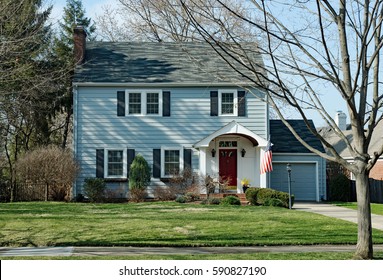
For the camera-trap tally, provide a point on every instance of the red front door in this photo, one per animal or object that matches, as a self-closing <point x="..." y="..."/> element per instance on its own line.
<point x="228" y="165"/>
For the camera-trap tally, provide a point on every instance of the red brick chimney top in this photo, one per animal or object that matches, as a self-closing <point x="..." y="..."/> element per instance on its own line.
<point x="79" y="39"/>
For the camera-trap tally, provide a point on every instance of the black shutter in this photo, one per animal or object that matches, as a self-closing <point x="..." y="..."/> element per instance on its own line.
<point x="131" y="153"/>
<point x="166" y="103"/>
<point x="187" y="158"/>
<point x="214" y="103"/>
<point x="100" y="163"/>
<point x="157" y="163"/>
<point x="120" y="103"/>
<point x="241" y="103"/>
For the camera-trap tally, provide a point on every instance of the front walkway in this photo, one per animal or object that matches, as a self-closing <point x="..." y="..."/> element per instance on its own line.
<point x="337" y="212"/>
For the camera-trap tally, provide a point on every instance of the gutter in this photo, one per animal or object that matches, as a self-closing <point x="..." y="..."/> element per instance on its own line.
<point x="149" y="84"/>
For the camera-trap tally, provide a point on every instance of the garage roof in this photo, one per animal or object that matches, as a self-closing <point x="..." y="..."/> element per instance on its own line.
<point x="285" y="142"/>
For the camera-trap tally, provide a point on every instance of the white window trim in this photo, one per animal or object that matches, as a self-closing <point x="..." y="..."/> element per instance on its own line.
<point x="124" y="163"/>
<point x="144" y="101"/>
<point x="235" y="101"/>
<point x="173" y="148"/>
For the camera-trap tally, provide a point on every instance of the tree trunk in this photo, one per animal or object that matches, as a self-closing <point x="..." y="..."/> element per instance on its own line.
<point x="66" y="128"/>
<point x="364" y="249"/>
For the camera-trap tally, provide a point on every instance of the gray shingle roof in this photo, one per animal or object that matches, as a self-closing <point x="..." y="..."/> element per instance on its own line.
<point x="152" y="62"/>
<point x="285" y="142"/>
<point x="341" y="146"/>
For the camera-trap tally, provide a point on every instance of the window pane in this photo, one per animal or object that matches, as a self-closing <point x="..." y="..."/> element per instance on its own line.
<point x="115" y="163"/>
<point x="172" y="162"/>
<point x="152" y="103"/>
<point x="134" y="103"/>
<point x="227" y="103"/>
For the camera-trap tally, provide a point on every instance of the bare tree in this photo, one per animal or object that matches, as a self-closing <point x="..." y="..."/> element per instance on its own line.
<point x="166" y="20"/>
<point x="307" y="45"/>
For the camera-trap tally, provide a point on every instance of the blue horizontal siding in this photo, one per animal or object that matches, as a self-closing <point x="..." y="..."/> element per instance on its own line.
<point x="98" y="125"/>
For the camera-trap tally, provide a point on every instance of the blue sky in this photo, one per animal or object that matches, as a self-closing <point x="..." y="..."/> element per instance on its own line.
<point x="95" y="7"/>
<point x="92" y="7"/>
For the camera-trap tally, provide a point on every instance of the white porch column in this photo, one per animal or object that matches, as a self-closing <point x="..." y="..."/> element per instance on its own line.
<point x="202" y="167"/>
<point x="263" y="177"/>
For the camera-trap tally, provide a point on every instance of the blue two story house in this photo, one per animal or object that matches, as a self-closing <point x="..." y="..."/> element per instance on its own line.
<point x="179" y="106"/>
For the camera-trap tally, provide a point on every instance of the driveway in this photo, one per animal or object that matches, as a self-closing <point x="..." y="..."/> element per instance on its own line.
<point x="337" y="212"/>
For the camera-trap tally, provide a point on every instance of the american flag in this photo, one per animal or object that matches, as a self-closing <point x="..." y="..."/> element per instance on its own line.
<point x="266" y="164"/>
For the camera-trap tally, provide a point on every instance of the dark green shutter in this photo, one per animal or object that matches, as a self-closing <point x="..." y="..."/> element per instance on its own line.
<point x="157" y="163"/>
<point x="100" y="163"/>
<point x="166" y="103"/>
<point x="187" y="158"/>
<point x="214" y="103"/>
<point x="120" y="103"/>
<point x="131" y="153"/>
<point x="241" y="103"/>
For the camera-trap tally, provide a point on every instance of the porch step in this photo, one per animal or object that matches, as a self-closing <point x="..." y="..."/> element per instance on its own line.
<point x="241" y="196"/>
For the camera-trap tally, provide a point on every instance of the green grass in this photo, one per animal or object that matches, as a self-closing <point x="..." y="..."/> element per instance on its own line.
<point x="167" y="224"/>
<point x="252" y="256"/>
<point x="375" y="207"/>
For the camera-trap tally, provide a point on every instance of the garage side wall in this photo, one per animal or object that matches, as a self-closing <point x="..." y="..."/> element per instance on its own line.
<point x="308" y="176"/>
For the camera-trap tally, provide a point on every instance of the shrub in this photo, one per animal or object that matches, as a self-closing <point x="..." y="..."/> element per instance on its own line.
<point x="51" y="166"/>
<point x="251" y="195"/>
<point x="94" y="189"/>
<point x="165" y="193"/>
<point x="340" y="188"/>
<point x="139" y="175"/>
<point x="139" y="178"/>
<point x="190" y="196"/>
<point x="183" y="181"/>
<point x="267" y="194"/>
<point x="275" y="202"/>
<point x="79" y="198"/>
<point x="181" y="199"/>
<point x="137" y="194"/>
<point x="230" y="200"/>
<point x="211" y="201"/>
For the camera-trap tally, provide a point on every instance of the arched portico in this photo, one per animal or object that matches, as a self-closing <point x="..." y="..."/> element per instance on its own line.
<point x="233" y="152"/>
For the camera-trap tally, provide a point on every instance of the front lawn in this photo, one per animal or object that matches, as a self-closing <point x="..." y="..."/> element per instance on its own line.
<point x="375" y="207"/>
<point x="167" y="224"/>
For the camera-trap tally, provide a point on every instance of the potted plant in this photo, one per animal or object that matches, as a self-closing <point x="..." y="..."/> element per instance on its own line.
<point x="245" y="184"/>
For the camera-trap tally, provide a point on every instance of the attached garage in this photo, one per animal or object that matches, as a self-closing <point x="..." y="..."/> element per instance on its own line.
<point x="308" y="171"/>
<point x="304" y="180"/>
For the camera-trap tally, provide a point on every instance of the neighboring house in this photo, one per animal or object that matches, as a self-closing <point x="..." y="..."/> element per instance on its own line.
<point x="341" y="147"/>
<point x="179" y="107"/>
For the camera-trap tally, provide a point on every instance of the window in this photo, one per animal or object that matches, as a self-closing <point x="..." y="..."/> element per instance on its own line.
<point x="134" y="103"/>
<point x="227" y="103"/>
<point x="172" y="161"/>
<point x="225" y="144"/>
<point x="228" y="100"/>
<point x="144" y="102"/>
<point x="152" y="103"/>
<point x="115" y="163"/>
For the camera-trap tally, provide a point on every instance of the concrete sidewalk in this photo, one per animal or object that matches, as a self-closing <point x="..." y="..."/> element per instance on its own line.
<point x="137" y="251"/>
<point x="337" y="212"/>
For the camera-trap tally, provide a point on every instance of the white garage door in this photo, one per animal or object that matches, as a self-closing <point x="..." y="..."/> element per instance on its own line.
<point x="303" y="180"/>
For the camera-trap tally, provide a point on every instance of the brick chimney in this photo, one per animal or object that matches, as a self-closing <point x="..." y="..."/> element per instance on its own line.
<point x="79" y="40"/>
<point x="340" y="120"/>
